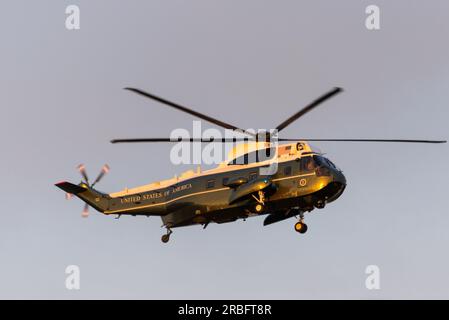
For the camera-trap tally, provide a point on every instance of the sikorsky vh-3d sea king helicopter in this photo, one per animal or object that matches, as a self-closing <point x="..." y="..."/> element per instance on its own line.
<point x="237" y="188"/>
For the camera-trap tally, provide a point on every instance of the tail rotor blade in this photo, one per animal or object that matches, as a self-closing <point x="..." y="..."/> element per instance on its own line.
<point x="85" y="212"/>
<point x="82" y="170"/>
<point x="103" y="171"/>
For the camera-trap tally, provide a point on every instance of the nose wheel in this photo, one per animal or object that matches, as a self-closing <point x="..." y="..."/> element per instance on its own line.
<point x="260" y="205"/>
<point x="300" y="226"/>
<point x="166" y="237"/>
<point x="258" y="208"/>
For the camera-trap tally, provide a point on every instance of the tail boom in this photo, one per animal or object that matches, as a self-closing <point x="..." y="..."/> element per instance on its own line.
<point x="99" y="201"/>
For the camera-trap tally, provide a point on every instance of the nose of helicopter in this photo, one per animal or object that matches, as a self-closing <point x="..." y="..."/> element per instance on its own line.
<point x="339" y="177"/>
<point x="338" y="184"/>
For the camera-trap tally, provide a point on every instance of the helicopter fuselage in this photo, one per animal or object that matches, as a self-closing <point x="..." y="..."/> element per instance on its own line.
<point x="209" y="198"/>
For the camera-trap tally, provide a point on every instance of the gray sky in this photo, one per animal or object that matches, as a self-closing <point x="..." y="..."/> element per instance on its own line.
<point x="250" y="63"/>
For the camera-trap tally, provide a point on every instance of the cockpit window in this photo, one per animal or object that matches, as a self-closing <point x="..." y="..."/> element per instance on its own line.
<point x="307" y="164"/>
<point x="254" y="156"/>
<point x="319" y="160"/>
<point x="331" y="164"/>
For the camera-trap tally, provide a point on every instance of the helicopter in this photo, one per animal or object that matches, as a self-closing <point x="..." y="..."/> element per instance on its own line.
<point x="260" y="177"/>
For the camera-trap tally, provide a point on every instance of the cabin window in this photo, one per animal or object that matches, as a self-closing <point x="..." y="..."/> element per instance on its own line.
<point x="225" y="181"/>
<point x="252" y="176"/>
<point x="287" y="171"/>
<point x="210" y="184"/>
<point x="284" y="150"/>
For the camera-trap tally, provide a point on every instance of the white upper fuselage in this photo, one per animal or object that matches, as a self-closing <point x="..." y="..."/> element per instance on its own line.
<point x="284" y="152"/>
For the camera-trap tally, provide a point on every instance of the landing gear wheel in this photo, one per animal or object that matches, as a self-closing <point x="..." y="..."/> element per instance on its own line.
<point x="300" y="227"/>
<point x="258" y="208"/>
<point x="165" y="238"/>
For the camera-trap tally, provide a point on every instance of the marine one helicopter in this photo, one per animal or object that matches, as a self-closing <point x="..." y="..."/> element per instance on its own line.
<point x="240" y="187"/>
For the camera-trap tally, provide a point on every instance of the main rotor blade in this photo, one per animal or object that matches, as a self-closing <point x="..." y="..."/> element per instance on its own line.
<point x="187" y="110"/>
<point x="225" y="140"/>
<point x="309" y="107"/>
<point x="367" y="140"/>
<point x="134" y="140"/>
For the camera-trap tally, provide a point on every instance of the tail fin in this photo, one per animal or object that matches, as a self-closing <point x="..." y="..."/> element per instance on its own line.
<point x="99" y="201"/>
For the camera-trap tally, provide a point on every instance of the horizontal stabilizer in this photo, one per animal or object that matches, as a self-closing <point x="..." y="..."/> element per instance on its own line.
<point x="70" y="187"/>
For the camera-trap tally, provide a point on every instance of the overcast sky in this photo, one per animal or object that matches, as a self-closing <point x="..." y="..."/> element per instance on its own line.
<point x="249" y="63"/>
